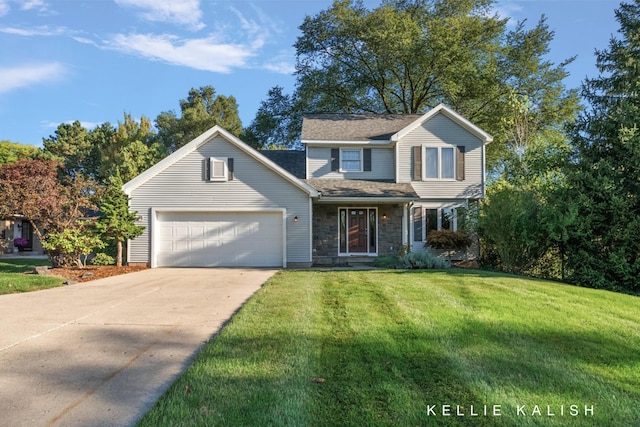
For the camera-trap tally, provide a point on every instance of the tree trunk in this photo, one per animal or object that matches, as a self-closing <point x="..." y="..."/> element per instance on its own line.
<point x="119" y="254"/>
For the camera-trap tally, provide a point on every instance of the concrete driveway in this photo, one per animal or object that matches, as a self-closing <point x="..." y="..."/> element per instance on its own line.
<point x="100" y="353"/>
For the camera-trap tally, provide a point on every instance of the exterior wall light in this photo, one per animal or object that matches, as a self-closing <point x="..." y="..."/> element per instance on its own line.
<point x="295" y="218"/>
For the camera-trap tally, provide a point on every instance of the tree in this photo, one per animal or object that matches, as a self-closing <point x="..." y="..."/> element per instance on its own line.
<point x="199" y="112"/>
<point x="48" y="199"/>
<point x="277" y="123"/>
<point x="126" y="150"/>
<point x="71" y="146"/>
<point x="11" y="152"/>
<point x="116" y="222"/>
<point x="604" y="181"/>
<point x="407" y="56"/>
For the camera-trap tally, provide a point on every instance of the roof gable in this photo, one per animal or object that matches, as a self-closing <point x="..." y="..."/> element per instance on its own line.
<point x="215" y="131"/>
<point x="449" y="113"/>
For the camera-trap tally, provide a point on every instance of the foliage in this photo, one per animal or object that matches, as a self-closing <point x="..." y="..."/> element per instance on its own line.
<point x="277" y="123"/>
<point x="202" y="110"/>
<point x="127" y="149"/>
<point x="604" y="180"/>
<point x="116" y="222"/>
<point x="406" y="56"/>
<point x="71" y="246"/>
<point x="20" y="242"/>
<point x="11" y="152"/>
<point x="390" y="344"/>
<point x="449" y="241"/>
<point x="386" y="261"/>
<point x="421" y="260"/>
<point x="50" y="201"/>
<point x="102" y="259"/>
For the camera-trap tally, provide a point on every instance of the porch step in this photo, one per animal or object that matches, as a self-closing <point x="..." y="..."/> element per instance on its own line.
<point x="345" y="261"/>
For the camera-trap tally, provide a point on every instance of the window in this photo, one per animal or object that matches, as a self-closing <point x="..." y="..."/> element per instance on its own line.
<point x="218" y="169"/>
<point x="351" y="160"/>
<point x="434" y="219"/>
<point x="440" y="163"/>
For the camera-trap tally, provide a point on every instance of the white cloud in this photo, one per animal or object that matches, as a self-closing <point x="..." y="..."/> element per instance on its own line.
<point x="206" y="54"/>
<point x="37" y="31"/>
<point x="282" y="63"/>
<point x="4" y="7"/>
<point x="34" y="4"/>
<point x="183" y="12"/>
<point x="49" y="124"/>
<point x="27" y="75"/>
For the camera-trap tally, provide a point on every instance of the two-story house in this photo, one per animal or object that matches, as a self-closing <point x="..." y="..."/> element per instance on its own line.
<point x="366" y="185"/>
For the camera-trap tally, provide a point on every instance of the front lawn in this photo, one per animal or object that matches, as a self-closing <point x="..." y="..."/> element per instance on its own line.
<point x="13" y="278"/>
<point x="401" y="348"/>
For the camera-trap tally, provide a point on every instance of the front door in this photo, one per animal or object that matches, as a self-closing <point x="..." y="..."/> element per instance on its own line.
<point x="358" y="230"/>
<point x="27" y="233"/>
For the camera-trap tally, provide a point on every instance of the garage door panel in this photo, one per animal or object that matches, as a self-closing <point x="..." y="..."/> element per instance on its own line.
<point x="220" y="239"/>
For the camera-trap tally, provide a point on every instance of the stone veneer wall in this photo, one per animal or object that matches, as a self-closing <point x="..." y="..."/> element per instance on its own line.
<point x="325" y="229"/>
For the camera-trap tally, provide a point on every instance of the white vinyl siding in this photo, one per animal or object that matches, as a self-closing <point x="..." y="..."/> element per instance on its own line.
<point x="184" y="186"/>
<point x="319" y="164"/>
<point x="436" y="133"/>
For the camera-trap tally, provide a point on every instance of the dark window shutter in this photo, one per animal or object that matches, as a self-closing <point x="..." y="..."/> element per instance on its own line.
<point x="207" y="169"/>
<point x="335" y="159"/>
<point x="230" y="169"/>
<point x="367" y="159"/>
<point x="460" y="163"/>
<point x="417" y="163"/>
<point x="417" y="224"/>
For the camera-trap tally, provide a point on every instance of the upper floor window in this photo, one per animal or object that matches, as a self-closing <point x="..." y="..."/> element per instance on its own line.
<point x="444" y="162"/>
<point x="439" y="163"/>
<point x="351" y="160"/>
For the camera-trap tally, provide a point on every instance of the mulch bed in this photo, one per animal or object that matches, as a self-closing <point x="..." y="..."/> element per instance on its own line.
<point x="93" y="272"/>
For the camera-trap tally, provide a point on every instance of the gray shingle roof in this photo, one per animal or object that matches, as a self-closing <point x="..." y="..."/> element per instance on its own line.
<point x="354" y="127"/>
<point x="293" y="161"/>
<point x="361" y="188"/>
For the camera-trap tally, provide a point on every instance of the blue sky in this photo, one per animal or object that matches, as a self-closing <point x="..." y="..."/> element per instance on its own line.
<point x="94" y="60"/>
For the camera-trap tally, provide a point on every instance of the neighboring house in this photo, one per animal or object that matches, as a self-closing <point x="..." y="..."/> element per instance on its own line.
<point x="16" y="226"/>
<point x="366" y="185"/>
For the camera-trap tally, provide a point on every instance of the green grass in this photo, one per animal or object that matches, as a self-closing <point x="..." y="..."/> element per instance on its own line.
<point x="391" y="344"/>
<point x="13" y="278"/>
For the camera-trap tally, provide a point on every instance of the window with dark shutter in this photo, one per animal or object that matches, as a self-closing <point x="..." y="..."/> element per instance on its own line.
<point x="366" y="154"/>
<point x="335" y="159"/>
<point x="460" y="163"/>
<point x="417" y="163"/>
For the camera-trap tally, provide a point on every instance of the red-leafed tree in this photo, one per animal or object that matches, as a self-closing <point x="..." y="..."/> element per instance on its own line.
<point x="50" y="201"/>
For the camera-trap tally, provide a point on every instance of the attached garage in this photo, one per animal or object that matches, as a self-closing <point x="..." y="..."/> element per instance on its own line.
<point x="219" y="239"/>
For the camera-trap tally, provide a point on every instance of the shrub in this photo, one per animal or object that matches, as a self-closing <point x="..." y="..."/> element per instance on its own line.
<point x="421" y="260"/>
<point x="102" y="259"/>
<point x="386" y="261"/>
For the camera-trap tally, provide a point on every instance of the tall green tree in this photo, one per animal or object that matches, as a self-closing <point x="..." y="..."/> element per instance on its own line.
<point x="11" y="152"/>
<point x="277" y="123"/>
<point x="201" y="110"/>
<point x="116" y="222"/>
<point x="70" y="145"/>
<point x="406" y="56"/>
<point x="125" y="150"/>
<point x="605" y="180"/>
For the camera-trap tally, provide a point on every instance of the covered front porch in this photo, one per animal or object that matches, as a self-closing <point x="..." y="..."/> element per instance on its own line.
<point x="356" y="221"/>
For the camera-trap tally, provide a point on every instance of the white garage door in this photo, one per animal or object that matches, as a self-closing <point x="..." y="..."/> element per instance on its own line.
<point x="219" y="239"/>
